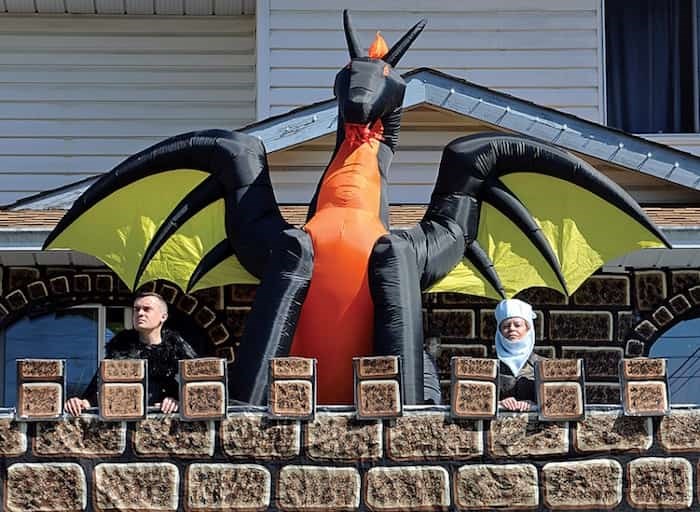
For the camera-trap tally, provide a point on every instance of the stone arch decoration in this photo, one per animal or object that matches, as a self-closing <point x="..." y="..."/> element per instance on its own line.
<point x="673" y="310"/>
<point x="34" y="295"/>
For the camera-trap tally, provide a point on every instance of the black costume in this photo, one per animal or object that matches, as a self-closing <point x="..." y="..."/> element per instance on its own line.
<point x="162" y="362"/>
<point x="520" y="386"/>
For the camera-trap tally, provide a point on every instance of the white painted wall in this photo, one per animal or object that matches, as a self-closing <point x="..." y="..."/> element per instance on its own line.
<point x="80" y="93"/>
<point x="543" y="51"/>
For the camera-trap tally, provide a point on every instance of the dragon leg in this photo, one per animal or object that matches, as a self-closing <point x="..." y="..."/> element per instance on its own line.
<point x="398" y="326"/>
<point x="273" y="319"/>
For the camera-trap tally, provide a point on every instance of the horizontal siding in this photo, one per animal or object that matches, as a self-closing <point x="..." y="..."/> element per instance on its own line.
<point x="138" y="7"/>
<point x="78" y="95"/>
<point x="541" y="51"/>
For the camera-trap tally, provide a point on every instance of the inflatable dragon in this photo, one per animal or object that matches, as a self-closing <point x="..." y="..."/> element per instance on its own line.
<point x="506" y="213"/>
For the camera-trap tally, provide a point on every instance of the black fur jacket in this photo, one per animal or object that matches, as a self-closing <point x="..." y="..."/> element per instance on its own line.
<point x="162" y="362"/>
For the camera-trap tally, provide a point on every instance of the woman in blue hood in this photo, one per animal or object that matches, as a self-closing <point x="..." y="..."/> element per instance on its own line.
<point x="515" y="341"/>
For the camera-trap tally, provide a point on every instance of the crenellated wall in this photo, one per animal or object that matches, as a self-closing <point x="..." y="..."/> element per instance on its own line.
<point x="421" y="461"/>
<point x="609" y="317"/>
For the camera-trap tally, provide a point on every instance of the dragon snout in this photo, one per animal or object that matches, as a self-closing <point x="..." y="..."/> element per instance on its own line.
<point x="357" y="111"/>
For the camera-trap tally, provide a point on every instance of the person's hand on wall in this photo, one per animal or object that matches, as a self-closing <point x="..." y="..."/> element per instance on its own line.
<point x="76" y="406"/>
<point x="512" y="404"/>
<point x="168" y="405"/>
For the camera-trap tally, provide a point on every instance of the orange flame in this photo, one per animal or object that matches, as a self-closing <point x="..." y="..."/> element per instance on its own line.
<point x="378" y="49"/>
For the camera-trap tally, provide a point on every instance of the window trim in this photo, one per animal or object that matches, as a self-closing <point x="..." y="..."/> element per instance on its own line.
<point x="602" y="62"/>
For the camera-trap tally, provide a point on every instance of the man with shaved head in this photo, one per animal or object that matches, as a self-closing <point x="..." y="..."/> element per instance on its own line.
<point x="147" y="340"/>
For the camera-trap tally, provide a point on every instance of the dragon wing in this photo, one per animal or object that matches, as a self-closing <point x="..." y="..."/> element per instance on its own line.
<point x="196" y="209"/>
<point x="537" y="216"/>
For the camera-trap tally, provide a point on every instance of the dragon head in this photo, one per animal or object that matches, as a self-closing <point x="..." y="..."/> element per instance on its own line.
<point x="369" y="88"/>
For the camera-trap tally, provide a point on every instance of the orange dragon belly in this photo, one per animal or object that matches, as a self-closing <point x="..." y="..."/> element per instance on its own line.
<point x="337" y="317"/>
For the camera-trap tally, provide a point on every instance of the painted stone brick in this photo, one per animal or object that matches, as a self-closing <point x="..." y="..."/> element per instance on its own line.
<point x="136" y="486"/>
<point x="225" y="487"/>
<point x="407" y="488"/>
<point x="651" y="289"/>
<point x="16" y="300"/>
<point x="212" y="297"/>
<point x="318" y="488"/>
<point x="292" y="398"/>
<point x="446" y="352"/>
<point x="634" y="348"/>
<point x="18" y="277"/>
<point x="681" y="280"/>
<point x="603" y="393"/>
<point x="235" y="318"/>
<point x="241" y="293"/>
<point x="679" y="431"/>
<point x="104" y="283"/>
<point x="626" y="320"/>
<point x="491" y="486"/>
<point x="694" y="294"/>
<point x="645" y="397"/>
<point x="656" y="482"/>
<point x="589" y="484"/>
<point x="610" y="431"/>
<point x="204" y="317"/>
<point x="82" y="283"/>
<point x="378" y="398"/>
<point x="540" y="296"/>
<point x="340" y="437"/>
<point x="252" y="436"/>
<point x="187" y="304"/>
<point x="662" y="315"/>
<point x="13" y="438"/>
<point x="599" y="362"/>
<point x="168" y="292"/>
<point x="59" y="285"/>
<point x="560" y="401"/>
<point x="165" y="436"/>
<point x="226" y="352"/>
<point x="603" y="291"/>
<point x="48" y="487"/>
<point x="453" y="322"/>
<point x="523" y="435"/>
<point x="37" y="290"/>
<point x="203" y="400"/>
<point x="679" y="304"/>
<point x="580" y="325"/>
<point x="85" y="436"/>
<point x="645" y="329"/>
<point x="430" y="436"/>
<point x="218" y="334"/>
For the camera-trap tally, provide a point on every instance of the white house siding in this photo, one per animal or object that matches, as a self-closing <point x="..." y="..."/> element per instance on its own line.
<point x="543" y="51"/>
<point x="80" y="93"/>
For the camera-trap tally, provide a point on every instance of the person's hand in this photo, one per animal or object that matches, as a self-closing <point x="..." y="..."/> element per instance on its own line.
<point x="512" y="404"/>
<point x="169" y="405"/>
<point x="76" y="405"/>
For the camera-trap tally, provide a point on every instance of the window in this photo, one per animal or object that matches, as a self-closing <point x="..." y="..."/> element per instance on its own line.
<point x="77" y="334"/>
<point x="651" y="65"/>
<point x="680" y="345"/>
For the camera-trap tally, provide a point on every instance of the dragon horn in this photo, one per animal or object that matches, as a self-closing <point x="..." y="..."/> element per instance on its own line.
<point x="404" y="43"/>
<point x="354" y="46"/>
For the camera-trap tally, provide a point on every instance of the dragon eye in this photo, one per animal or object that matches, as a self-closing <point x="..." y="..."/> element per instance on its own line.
<point x="386" y="70"/>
